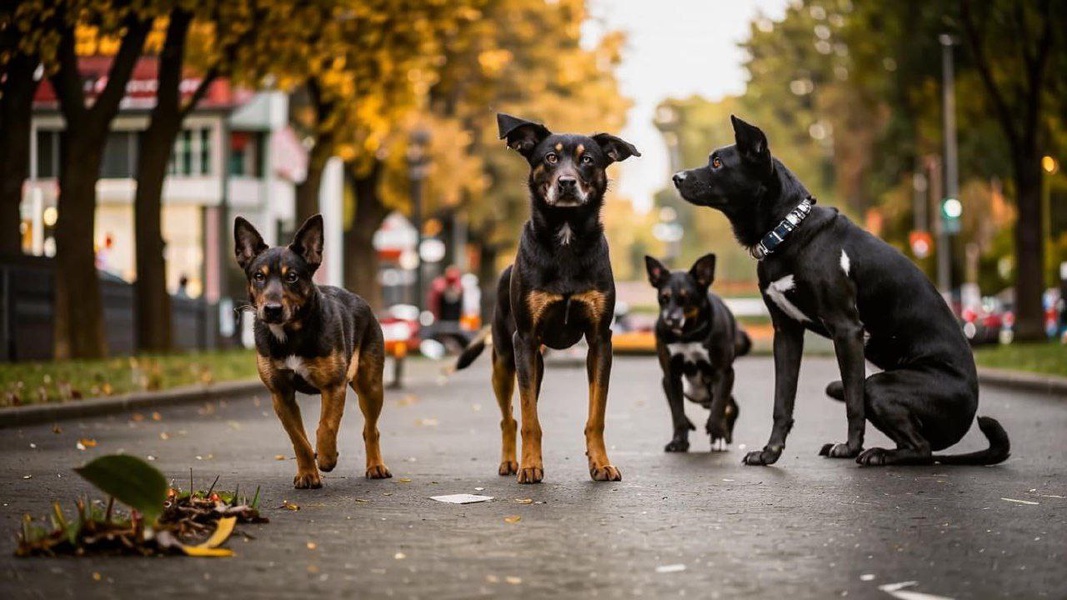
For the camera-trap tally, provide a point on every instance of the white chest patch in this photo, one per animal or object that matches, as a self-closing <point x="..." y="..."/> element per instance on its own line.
<point x="294" y="364"/>
<point x="278" y="332"/>
<point x="695" y="386"/>
<point x="776" y="292"/>
<point x="846" y="264"/>
<point x="565" y="234"/>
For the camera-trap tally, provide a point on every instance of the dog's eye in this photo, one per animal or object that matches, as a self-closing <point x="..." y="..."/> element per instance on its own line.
<point x="587" y="160"/>
<point x="664" y="297"/>
<point x="292" y="277"/>
<point x="716" y="162"/>
<point x="259" y="277"/>
<point x="551" y="158"/>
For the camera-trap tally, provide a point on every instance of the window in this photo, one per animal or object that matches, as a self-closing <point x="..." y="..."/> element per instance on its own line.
<point x="120" y="155"/>
<point x="192" y="153"/>
<point x="246" y="156"/>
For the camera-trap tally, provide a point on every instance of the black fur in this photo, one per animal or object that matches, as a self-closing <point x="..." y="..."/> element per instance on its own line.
<point x="697" y="340"/>
<point x="839" y="281"/>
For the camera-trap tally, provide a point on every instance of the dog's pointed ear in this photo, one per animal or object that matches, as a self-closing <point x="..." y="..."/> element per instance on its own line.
<point x="657" y="271"/>
<point x="751" y="141"/>
<point x="308" y="242"/>
<point x="616" y="148"/>
<point x="703" y="270"/>
<point x="248" y="244"/>
<point x="522" y="135"/>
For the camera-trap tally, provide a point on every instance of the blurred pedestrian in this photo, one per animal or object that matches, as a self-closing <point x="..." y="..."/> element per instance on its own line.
<point x="183" y="287"/>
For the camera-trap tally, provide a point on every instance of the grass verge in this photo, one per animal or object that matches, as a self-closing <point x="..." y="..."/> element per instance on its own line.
<point x="62" y="381"/>
<point x="1045" y="358"/>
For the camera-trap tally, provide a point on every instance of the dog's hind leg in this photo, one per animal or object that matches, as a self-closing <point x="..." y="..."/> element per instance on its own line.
<point x="371" y="393"/>
<point x="888" y="409"/>
<point x="504" y="390"/>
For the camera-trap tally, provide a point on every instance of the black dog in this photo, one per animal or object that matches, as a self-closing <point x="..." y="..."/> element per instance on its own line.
<point x="312" y="339"/>
<point x="818" y="271"/>
<point x="559" y="289"/>
<point x="697" y="340"/>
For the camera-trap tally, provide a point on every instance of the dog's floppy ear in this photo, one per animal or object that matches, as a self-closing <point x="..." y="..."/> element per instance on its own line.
<point x="616" y="148"/>
<point x="751" y="141"/>
<point x="703" y="270"/>
<point x="522" y="135"/>
<point x="248" y="244"/>
<point x="657" y="272"/>
<point x="308" y="242"/>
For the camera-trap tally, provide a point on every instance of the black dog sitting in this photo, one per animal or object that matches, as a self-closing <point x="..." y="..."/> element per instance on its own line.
<point x="818" y="271"/>
<point x="559" y="289"/>
<point x="697" y="340"/>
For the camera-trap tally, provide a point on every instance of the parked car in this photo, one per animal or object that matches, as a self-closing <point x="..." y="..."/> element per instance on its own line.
<point x="991" y="322"/>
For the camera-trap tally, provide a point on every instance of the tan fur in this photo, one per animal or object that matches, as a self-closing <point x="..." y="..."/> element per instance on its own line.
<point x="538" y="301"/>
<point x="594" y="302"/>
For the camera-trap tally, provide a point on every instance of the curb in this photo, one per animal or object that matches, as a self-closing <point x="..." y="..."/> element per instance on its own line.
<point x="35" y="414"/>
<point x="1020" y="380"/>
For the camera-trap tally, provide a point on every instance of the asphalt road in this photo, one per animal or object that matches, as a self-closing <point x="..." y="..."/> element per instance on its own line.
<point x="698" y="525"/>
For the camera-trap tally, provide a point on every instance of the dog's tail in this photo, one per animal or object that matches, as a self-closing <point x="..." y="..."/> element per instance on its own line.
<point x="999" y="445"/>
<point x="474" y="349"/>
<point x="998" y="451"/>
<point x="742" y="343"/>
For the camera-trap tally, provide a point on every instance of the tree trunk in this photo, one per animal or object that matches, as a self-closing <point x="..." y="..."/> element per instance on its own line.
<point x="16" y="107"/>
<point x="361" y="259"/>
<point x="79" y="319"/>
<point x="1029" y="248"/>
<point x="307" y="191"/>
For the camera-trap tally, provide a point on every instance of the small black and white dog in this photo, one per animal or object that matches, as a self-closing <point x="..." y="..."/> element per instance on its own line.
<point x="697" y="340"/>
<point x="818" y="271"/>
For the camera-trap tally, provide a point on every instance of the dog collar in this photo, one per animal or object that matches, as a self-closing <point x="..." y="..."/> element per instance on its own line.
<point x="772" y="240"/>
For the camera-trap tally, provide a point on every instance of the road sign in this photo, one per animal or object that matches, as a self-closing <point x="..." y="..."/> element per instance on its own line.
<point x="922" y="243"/>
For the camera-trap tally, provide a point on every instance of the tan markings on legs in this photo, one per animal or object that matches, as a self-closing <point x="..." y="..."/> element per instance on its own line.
<point x="333" y="407"/>
<point x="353" y="367"/>
<point x="598" y="366"/>
<point x="368" y="386"/>
<point x="504" y="388"/>
<point x="538" y="301"/>
<point x="307" y="476"/>
<point x="530" y="368"/>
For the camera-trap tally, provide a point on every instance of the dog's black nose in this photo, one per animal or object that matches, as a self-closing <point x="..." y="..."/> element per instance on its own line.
<point x="679" y="177"/>
<point x="272" y="312"/>
<point x="567" y="184"/>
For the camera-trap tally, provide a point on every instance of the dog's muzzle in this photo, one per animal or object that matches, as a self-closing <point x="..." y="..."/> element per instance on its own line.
<point x="272" y="313"/>
<point x="678" y="178"/>
<point x="566" y="192"/>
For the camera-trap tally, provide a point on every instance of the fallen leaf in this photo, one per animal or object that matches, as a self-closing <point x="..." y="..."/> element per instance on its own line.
<point x="492" y="579"/>
<point x="312" y="545"/>
<point x="207" y="552"/>
<point x="96" y="576"/>
<point x="400" y="556"/>
<point x="524" y="500"/>
<point x="164" y="435"/>
<point x="56" y="429"/>
<point x="289" y="505"/>
<point x="87" y="442"/>
<point x="27" y="476"/>
<point x="512" y="519"/>
<point x="157" y="417"/>
<point x="513" y="580"/>
<point x="408" y="480"/>
<point x="279" y="457"/>
<point x="313" y="569"/>
<point x="222" y="533"/>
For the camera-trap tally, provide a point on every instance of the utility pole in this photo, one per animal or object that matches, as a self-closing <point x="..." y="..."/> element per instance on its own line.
<point x="950" y="203"/>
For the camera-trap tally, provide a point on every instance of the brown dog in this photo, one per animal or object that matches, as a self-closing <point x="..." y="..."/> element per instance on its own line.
<point x="315" y="340"/>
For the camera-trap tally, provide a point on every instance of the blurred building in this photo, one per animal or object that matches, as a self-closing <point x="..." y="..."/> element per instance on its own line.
<point x="236" y="153"/>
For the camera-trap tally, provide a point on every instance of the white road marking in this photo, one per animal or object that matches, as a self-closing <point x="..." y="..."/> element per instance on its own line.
<point x="896" y="590"/>
<point x="845" y="262"/>
<point x="776" y="292"/>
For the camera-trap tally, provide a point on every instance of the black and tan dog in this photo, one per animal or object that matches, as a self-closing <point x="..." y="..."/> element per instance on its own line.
<point x="820" y="272"/>
<point x="312" y="339"/>
<point x="697" y="340"/>
<point x="559" y="289"/>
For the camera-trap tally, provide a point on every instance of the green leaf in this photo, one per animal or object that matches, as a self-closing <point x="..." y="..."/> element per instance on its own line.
<point x="131" y="480"/>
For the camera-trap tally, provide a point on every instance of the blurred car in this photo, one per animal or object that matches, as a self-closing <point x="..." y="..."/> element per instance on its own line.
<point x="633" y="333"/>
<point x="400" y="327"/>
<point x="990" y="322"/>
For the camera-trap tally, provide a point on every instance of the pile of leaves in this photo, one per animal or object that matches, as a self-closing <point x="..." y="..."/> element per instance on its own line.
<point x="161" y="519"/>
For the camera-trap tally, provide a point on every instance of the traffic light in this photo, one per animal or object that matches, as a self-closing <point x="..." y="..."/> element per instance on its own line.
<point x="951" y="210"/>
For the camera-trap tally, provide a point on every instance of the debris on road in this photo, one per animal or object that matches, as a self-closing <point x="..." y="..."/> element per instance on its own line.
<point x="461" y="498"/>
<point x="1020" y="501"/>
<point x="896" y="590"/>
<point x="676" y="568"/>
<point x="512" y="519"/>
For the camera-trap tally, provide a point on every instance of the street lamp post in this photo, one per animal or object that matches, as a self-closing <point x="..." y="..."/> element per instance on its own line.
<point x="952" y="184"/>
<point x="418" y="165"/>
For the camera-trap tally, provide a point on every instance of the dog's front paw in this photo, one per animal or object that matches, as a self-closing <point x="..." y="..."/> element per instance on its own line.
<point x="508" y="467"/>
<point x="307" y="480"/>
<point x="719" y="444"/>
<point x="326" y="462"/>
<point x="677" y="445"/>
<point x="605" y="473"/>
<point x="840" y="451"/>
<point x="767" y="456"/>
<point x="718" y="428"/>
<point x="378" y="472"/>
<point x="874" y="457"/>
<point x="531" y="474"/>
